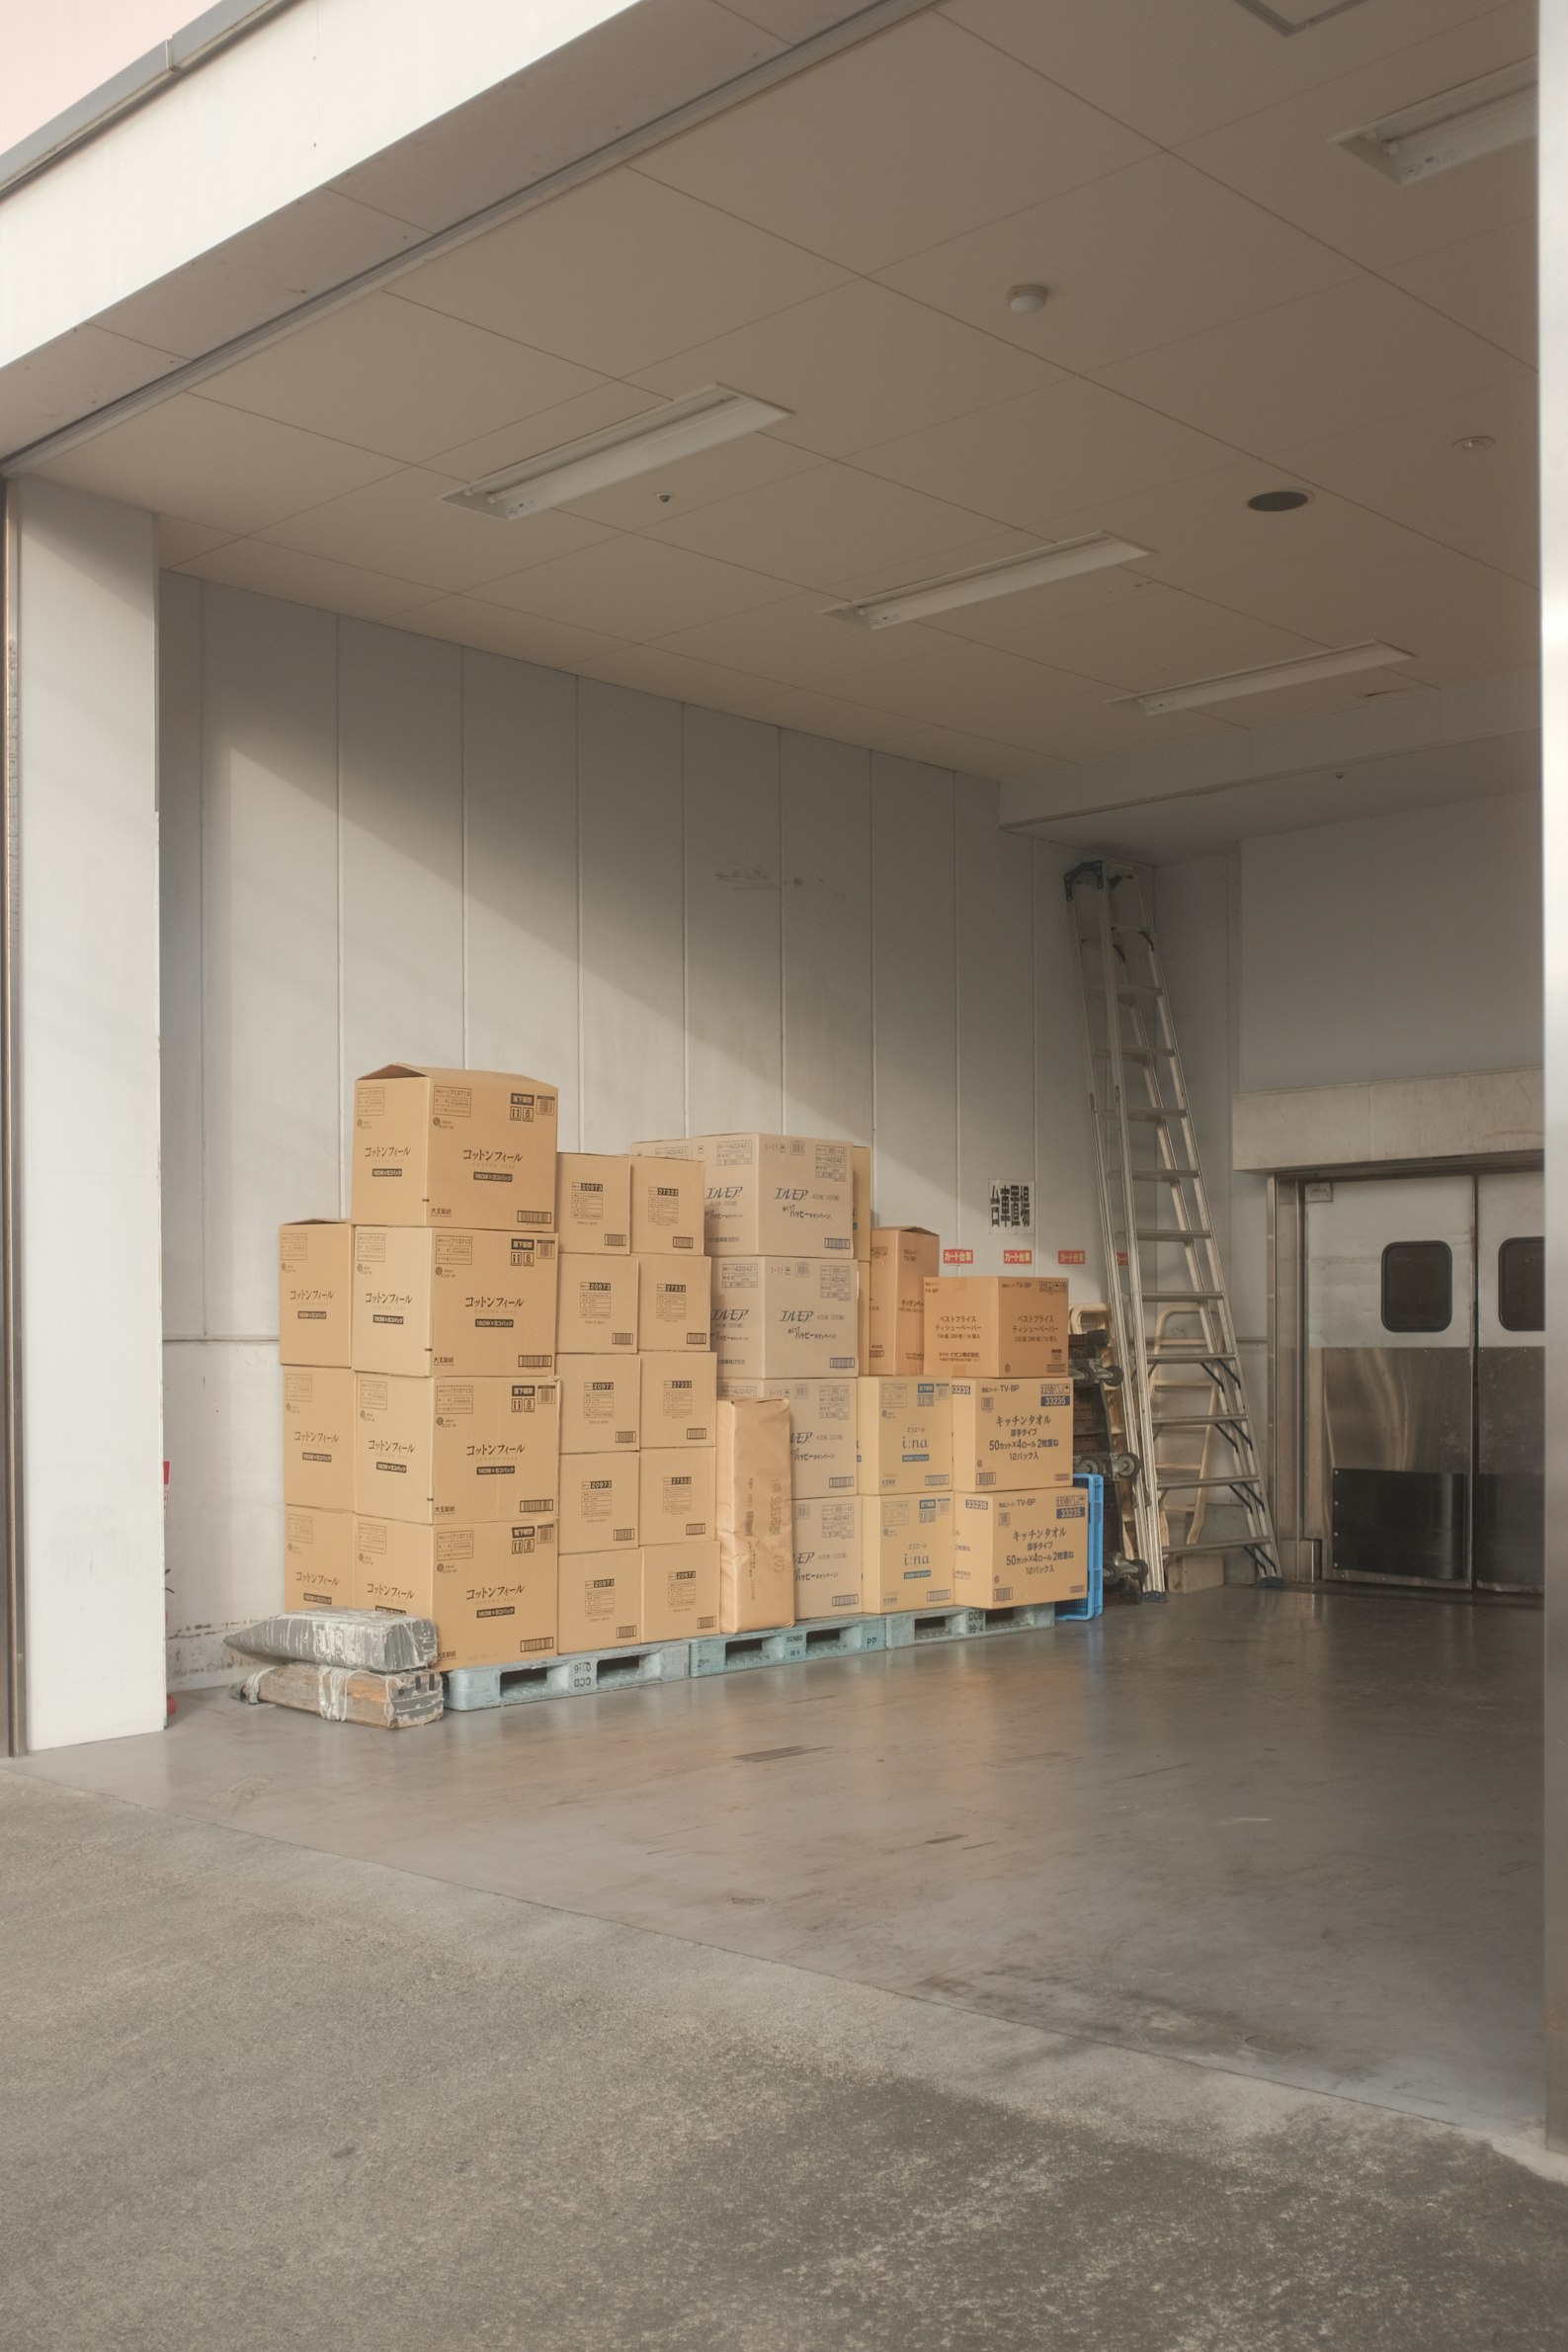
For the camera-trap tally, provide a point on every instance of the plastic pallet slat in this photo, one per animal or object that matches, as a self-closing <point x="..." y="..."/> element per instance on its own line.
<point x="917" y="1626"/>
<point x="570" y="1677"/>
<point x="788" y="1645"/>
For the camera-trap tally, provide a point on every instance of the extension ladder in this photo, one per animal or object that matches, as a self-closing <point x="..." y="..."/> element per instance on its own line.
<point x="1196" y="1486"/>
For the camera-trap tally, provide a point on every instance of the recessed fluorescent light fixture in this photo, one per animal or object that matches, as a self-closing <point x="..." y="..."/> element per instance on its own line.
<point x="1455" y="127"/>
<point x="1273" y="674"/>
<point x="655" y="436"/>
<point x="1036" y="569"/>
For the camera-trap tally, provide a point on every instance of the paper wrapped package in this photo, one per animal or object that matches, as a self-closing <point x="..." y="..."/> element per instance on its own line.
<point x="382" y="1642"/>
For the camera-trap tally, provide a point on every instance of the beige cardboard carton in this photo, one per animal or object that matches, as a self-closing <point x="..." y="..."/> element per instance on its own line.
<point x="680" y="1590"/>
<point x="599" y="1600"/>
<point x="756" y="1548"/>
<point x="680" y="1400"/>
<point x="1015" y="1435"/>
<point x="996" y="1326"/>
<point x="827" y="1553"/>
<point x="593" y="1201"/>
<point x="675" y="1493"/>
<point x="315" y="1257"/>
<point x="454" y="1148"/>
<point x="428" y="1301"/>
<point x="862" y="1316"/>
<point x="906" y="1551"/>
<point x="823" y="1456"/>
<point x="318" y="1560"/>
<point x="491" y="1589"/>
<point x="597" y="1310"/>
<point x="861" y="1199"/>
<point x="454" y="1450"/>
<point x="1014" y="1547"/>
<point x="601" y="1403"/>
<point x="319" y="1438"/>
<point x="904" y="1437"/>
<point x="666" y="1207"/>
<point x="902" y="1258"/>
<point x="598" y="1504"/>
<point x="770" y="1195"/>
<point x="675" y="1304"/>
<point x="783" y="1318"/>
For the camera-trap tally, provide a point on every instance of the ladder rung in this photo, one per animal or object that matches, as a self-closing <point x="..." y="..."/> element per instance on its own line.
<point x="1237" y="1543"/>
<point x="1163" y="1175"/>
<point x="1183" y="1297"/>
<point x="1183" y="1354"/>
<point x="1234" y="1423"/>
<point x="1177" y="1234"/>
<point x="1189" y="1486"/>
<point x="1155" y="1117"/>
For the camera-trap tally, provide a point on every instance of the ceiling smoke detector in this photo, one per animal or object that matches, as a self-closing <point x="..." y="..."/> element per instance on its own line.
<point x="1028" y="298"/>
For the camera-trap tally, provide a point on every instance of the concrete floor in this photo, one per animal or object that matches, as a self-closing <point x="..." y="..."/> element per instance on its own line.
<point x="1092" y="1987"/>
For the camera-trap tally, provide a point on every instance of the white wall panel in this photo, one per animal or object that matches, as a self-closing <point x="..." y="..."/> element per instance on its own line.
<point x="180" y="972"/>
<point x="734" y="1010"/>
<point x="826" y="800"/>
<point x="994" y="893"/>
<point x="1068" y="1214"/>
<point x="519" y="870"/>
<point x="631" y="884"/>
<point x="914" y="981"/>
<point x="223" y="1425"/>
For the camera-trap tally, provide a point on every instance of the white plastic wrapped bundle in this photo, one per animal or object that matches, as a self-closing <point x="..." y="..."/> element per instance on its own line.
<point x="348" y="1694"/>
<point x="364" y="1637"/>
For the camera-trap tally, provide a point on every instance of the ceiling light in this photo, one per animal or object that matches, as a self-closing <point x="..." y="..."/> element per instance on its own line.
<point x="1278" y="502"/>
<point x="655" y="436"/>
<point x="1036" y="569"/>
<point x="1272" y="675"/>
<point x="1455" y="127"/>
<point x="1028" y="298"/>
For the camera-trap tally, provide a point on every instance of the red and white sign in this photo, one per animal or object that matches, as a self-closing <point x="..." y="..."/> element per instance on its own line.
<point x="1017" y="1257"/>
<point x="957" y="1257"/>
<point x="1072" y="1257"/>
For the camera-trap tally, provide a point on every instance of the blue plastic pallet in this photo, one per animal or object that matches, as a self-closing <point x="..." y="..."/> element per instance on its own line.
<point x="913" y="1626"/>
<point x="570" y="1677"/>
<point x="1094" y="1601"/>
<point x="788" y="1645"/>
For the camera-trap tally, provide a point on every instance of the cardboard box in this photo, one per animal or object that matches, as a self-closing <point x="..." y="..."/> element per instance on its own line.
<point x="680" y="1400"/>
<point x="454" y="1148"/>
<point x="680" y="1590"/>
<point x="428" y="1301"/>
<point x="827" y="1556"/>
<point x="320" y="1439"/>
<point x="996" y="1326"/>
<point x="1010" y="1434"/>
<point x="491" y="1590"/>
<point x="861" y="1199"/>
<point x="823" y="1455"/>
<point x="593" y="1201"/>
<point x="454" y="1450"/>
<point x="666" y="1207"/>
<point x="675" y="1493"/>
<point x="903" y="1437"/>
<point x="596" y="1309"/>
<point x="315" y="1257"/>
<point x="862" y="1316"/>
<point x="902" y="1258"/>
<point x="599" y="1600"/>
<point x="598" y="1504"/>
<point x="756" y="1536"/>
<point x="783" y="1318"/>
<point x="906" y="1551"/>
<point x="1014" y="1547"/>
<point x="601" y="1403"/>
<point x="318" y="1560"/>
<point x="675" y="1304"/>
<point x="770" y="1195"/>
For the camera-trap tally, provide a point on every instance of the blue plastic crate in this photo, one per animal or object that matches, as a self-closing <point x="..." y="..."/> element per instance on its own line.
<point x="1093" y="1600"/>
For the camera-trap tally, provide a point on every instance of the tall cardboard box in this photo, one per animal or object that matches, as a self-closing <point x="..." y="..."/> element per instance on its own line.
<point x="861" y="1199"/>
<point x="318" y="1560"/>
<point x="996" y="1326"/>
<point x="783" y="1318"/>
<point x="666" y="1198"/>
<point x="428" y="1301"/>
<point x="1014" y="1435"/>
<point x="770" y="1195"/>
<point x="599" y="1600"/>
<point x="675" y="1304"/>
<point x="315" y="1258"/>
<point x="320" y="1437"/>
<point x="597" y="1309"/>
<point x="593" y="1201"/>
<point x="906" y="1551"/>
<point x="756" y="1541"/>
<point x="1013" y="1547"/>
<point x="598" y="1504"/>
<point x="680" y="1400"/>
<point x="455" y="1451"/>
<point x="904" y="1442"/>
<point x="454" y="1148"/>
<point x="863" y="1316"/>
<point x="823" y="1453"/>
<point x="902" y="1258"/>
<point x="675" y="1493"/>
<point x="601" y="1403"/>
<point x="680" y="1590"/>
<point x="827" y="1556"/>
<point x="491" y="1590"/>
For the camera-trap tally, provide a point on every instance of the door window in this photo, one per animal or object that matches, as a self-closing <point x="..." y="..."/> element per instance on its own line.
<point x="1418" y="1286"/>
<point x="1521" y="1283"/>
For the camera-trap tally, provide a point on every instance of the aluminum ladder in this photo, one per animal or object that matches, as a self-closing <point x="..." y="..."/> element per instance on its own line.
<point x="1198" y="1488"/>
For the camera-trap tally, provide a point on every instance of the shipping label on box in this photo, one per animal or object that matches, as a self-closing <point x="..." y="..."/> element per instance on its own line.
<point x="666" y="1207"/>
<point x="771" y="1195"/>
<point x="599" y="1600"/>
<point x="756" y="1552"/>
<point x="465" y="1452"/>
<point x="822" y="1431"/>
<point x="784" y="1318"/>
<point x="315" y="1260"/>
<point x="490" y="1589"/>
<point x="1009" y="1547"/>
<point x="680" y="1590"/>
<point x="319" y="1438"/>
<point x="318" y="1560"/>
<point x="599" y="1502"/>
<point x="904" y="1439"/>
<point x="901" y="1259"/>
<point x="675" y="1493"/>
<point x="601" y="1403"/>
<point x="861" y="1199"/>
<point x="1010" y="1434"/>
<point x="477" y="1301"/>
<point x="906" y="1551"/>
<point x="827" y="1556"/>
<point x="997" y="1326"/>
<point x="454" y="1148"/>
<point x="680" y="1400"/>
<point x="597" y="1310"/>
<point x="593" y="1201"/>
<point x="674" y="1303"/>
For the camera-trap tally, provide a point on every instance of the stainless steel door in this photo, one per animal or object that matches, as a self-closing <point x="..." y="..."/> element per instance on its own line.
<point x="1508" y="1533"/>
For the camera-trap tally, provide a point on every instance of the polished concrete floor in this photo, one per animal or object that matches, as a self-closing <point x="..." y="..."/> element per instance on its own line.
<point x="1168" y="1982"/>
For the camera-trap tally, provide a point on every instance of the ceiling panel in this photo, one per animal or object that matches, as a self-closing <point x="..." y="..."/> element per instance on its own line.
<point x="1318" y="696"/>
<point x="551" y="428"/>
<point x="694" y="482"/>
<point x="633" y="588"/>
<point x="179" y="541"/>
<point x="524" y="637"/>
<point x="916" y="135"/>
<point x="403" y="525"/>
<point x="794" y="641"/>
<point x="820" y="526"/>
<point x="80" y="371"/>
<point x="1144" y="636"/>
<point x="1487" y="283"/>
<point x="306" y="579"/>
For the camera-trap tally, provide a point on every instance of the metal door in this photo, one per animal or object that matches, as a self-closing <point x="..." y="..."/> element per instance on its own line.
<point x="1508" y="1543"/>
